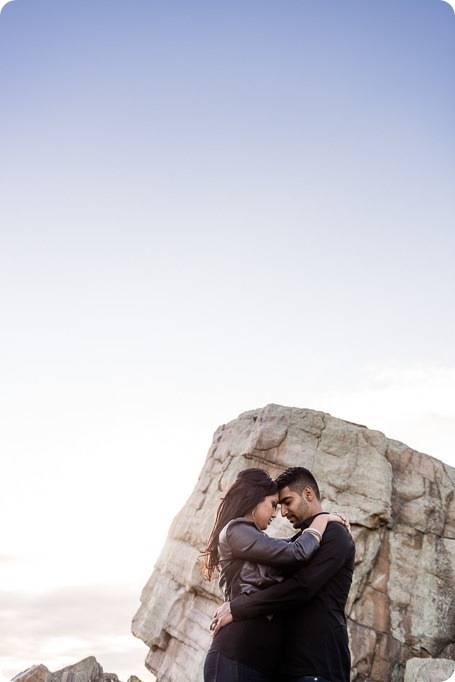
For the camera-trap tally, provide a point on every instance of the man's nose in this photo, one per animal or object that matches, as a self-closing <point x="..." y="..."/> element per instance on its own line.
<point x="283" y="510"/>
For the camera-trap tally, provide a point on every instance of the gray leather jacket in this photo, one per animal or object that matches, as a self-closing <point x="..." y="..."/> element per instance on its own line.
<point x="250" y="560"/>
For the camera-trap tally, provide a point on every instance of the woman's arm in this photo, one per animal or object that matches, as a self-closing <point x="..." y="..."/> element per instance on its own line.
<point x="337" y="551"/>
<point x="247" y="542"/>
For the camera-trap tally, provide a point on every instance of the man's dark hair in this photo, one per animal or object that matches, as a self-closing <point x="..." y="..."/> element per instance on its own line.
<point x="296" y="479"/>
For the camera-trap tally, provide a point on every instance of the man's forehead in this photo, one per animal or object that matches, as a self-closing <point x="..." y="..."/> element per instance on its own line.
<point x="286" y="492"/>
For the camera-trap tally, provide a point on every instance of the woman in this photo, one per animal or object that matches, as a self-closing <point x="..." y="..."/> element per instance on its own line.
<point x="249" y="560"/>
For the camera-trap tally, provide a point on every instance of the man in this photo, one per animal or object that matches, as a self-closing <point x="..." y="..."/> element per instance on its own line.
<point x="312" y="600"/>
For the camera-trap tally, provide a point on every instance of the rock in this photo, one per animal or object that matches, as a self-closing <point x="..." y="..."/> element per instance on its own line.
<point x="87" y="670"/>
<point x="37" y="673"/>
<point x="429" y="670"/>
<point x="402" y="511"/>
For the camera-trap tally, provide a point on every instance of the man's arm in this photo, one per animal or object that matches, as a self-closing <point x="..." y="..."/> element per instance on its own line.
<point x="336" y="547"/>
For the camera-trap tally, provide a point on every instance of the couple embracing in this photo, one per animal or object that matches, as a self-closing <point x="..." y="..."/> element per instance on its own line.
<point x="283" y="619"/>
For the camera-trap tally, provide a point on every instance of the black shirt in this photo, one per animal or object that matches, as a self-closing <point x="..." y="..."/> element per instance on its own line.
<point x="255" y="642"/>
<point x="312" y="603"/>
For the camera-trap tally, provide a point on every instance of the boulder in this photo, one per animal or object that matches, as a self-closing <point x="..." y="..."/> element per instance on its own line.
<point x="429" y="670"/>
<point x="36" y="673"/>
<point x="87" y="670"/>
<point x="402" y="511"/>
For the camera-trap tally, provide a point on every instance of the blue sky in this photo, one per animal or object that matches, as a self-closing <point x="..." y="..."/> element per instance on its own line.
<point x="206" y="207"/>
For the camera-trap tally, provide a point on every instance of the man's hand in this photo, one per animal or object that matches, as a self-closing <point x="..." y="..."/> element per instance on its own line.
<point x="222" y="617"/>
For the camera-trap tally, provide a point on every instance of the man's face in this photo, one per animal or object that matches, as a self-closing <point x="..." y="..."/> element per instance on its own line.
<point x="294" y="506"/>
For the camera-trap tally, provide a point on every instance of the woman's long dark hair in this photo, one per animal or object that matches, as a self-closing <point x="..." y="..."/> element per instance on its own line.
<point x="250" y="487"/>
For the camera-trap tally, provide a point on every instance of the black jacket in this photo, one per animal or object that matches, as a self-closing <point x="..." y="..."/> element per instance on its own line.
<point x="256" y="642"/>
<point x="312" y="603"/>
<point x="257" y="558"/>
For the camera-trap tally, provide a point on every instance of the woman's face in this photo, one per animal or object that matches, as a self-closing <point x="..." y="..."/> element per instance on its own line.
<point x="265" y="511"/>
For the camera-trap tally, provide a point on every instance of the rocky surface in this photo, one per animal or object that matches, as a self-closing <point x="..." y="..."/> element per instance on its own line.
<point x="36" y="673"/>
<point x="429" y="670"/>
<point x="402" y="511"/>
<point x="87" y="670"/>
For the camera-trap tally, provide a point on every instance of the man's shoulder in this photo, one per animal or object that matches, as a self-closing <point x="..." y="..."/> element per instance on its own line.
<point x="337" y="529"/>
<point x="336" y="533"/>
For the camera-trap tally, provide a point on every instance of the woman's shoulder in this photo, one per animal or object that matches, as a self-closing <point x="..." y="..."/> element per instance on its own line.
<point x="236" y="526"/>
<point x="240" y="522"/>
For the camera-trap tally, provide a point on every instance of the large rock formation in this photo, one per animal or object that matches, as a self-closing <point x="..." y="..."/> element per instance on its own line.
<point x="402" y="511"/>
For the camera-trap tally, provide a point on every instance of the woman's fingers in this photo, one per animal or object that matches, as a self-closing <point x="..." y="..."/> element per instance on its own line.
<point x="343" y="520"/>
<point x="218" y="623"/>
<point x="221" y="617"/>
<point x="342" y="517"/>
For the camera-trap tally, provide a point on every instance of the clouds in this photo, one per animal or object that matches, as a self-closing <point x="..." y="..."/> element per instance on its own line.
<point x="417" y="387"/>
<point x="71" y="609"/>
<point x="61" y="626"/>
<point x="423" y="400"/>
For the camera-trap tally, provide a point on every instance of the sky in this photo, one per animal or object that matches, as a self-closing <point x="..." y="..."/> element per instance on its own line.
<point x="206" y="207"/>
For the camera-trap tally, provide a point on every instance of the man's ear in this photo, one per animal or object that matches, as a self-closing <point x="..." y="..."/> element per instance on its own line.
<point x="308" y="493"/>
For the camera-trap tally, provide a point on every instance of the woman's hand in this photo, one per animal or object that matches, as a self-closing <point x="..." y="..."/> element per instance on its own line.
<point x="338" y="517"/>
<point x="222" y="617"/>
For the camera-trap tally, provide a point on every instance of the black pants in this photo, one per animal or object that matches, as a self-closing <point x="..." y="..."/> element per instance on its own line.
<point x="303" y="678"/>
<point x="220" y="668"/>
